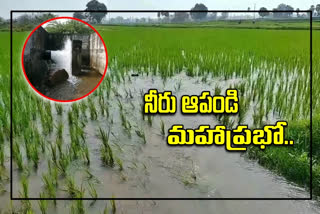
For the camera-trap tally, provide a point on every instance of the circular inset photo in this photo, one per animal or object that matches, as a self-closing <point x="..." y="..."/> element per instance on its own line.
<point x="64" y="59"/>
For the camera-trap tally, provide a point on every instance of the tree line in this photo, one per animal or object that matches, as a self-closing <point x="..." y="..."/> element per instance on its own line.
<point x="27" y="21"/>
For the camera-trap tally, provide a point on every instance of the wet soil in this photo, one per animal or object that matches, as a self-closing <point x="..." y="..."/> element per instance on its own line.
<point x="75" y="87"/>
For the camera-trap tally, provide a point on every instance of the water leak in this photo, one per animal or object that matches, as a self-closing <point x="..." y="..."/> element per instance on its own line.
<point x="155" y="169"/>
<point x="63" y="59"/>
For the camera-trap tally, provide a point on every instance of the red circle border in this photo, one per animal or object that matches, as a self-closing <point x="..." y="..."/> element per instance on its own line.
<point x="65" y="101"/>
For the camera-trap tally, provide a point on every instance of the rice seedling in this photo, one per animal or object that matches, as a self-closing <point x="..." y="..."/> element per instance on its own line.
<point x="63" y="163"/>
<point x="25" y="187"/>
<point x="59" y="130"/>
<point x="93" y="110"/>
<point x="217" y="90"/>
<point x="106" y="150"/>
<point x="2" y="156"/>
<point x="120" y="164"/>
<point x="17" y="156"/>
<point x="162" y="127"/>
<point x="77" y="207"/>
<point x="93" y="193"/>
<point x="53" y="152"/>
<point x="35" y="155"/>
<point x="59" y="109"/>
<point x="43" y="204"/>
<point x="149" y="119"/>
<point x="141" y="134"/>
<point x="113" y="205"/>
<point x="107" y="155"/>
<point x="105" y="211"/>
<point x="71" y="187"/>
<point x="86" y="154"/>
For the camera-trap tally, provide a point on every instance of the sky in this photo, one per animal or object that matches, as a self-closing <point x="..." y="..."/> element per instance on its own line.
<point x="7" y="5"/>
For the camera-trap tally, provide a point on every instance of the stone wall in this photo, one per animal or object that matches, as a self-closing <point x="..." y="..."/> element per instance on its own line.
<point x="36" y="68"/>
<point x="97" y="54"/>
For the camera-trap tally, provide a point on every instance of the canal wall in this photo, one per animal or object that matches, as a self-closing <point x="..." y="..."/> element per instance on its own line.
<point x="97" y="54"/>
<point x="37" y="53"/>
<point x="35" y="67"/>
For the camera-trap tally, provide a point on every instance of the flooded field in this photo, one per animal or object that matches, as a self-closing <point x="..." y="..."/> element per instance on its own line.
<point x="154" y="169"/>
<point x="104" y="146"/>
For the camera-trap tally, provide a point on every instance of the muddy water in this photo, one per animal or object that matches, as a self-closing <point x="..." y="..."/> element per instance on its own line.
<point x="78" y="86"/>
<point x="156" y="170"/>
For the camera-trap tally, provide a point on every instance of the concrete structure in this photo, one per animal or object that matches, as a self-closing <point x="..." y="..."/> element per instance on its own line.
<point x="76" y="57"/>
<point x="36" y="68"/>
<point x="88" y="54"/>
<point x="97" y="54"/>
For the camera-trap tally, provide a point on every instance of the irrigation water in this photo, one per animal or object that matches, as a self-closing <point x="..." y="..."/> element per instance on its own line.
<point x="63" y="59"/>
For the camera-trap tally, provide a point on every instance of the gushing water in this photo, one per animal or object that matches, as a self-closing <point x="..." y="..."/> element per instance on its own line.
<point x="62" y="59"/>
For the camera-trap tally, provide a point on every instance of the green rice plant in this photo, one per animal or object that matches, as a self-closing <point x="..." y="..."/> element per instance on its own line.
<point x="17" y="156"/>
<point x="217" y="90"/>
<point x="106" y="150"/>
<point x="90" y="177"/>
<point x="60" y="130"/>
<point x="2" y="156"/>
<point x="77" y="207"/>
<point x="142" y="110"/>
<point x="43" y="204"/>
<point x="71" y="187"/>
<point x="107" y="155"/>
<point x="83" y="108"/>
<point x="3" y="174"/>
<point x="70" y="118"/>
<point x="25" y="187"/>
<point x="120" y="164"/>
<point x="162" y="127"/>
<point x="59" y="143"/>
<point x="50" y="187"/>
<point x="75" y="110"/>
<point x="178" y="86"/>
<point x="59" y="109"/>
<point x="149" y="118"/>
<point x="113" y="205"/>
<point x="120" y="105"/>
<point x="106" y="211"/>
<point x="2" y="189"/>
<point x="104" y="136"/>
<point x="86" y="154"/>
<point x="93" y="193"/>
<point x="141" y="134"/>
<point x="63" y="163"/>
<point x="93" y="110"/>
<point x="35" y="155"/>
<point x="53" y="152"/>
<point x="53" y="173"/>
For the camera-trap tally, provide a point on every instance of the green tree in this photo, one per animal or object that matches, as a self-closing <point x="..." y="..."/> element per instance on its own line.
<point x="312" y="8"/>
<point x="95" y="5"/>
<point x="199" y="15"/>
<point x="283" y="7"/>
<point x="69" y="27"/>
<point x="263" y="12"/>
<point x="79" y="15"/>
<point x="318" y="9"/>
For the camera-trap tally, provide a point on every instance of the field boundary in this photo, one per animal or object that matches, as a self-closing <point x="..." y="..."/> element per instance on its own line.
<point x="152" y="198"/>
